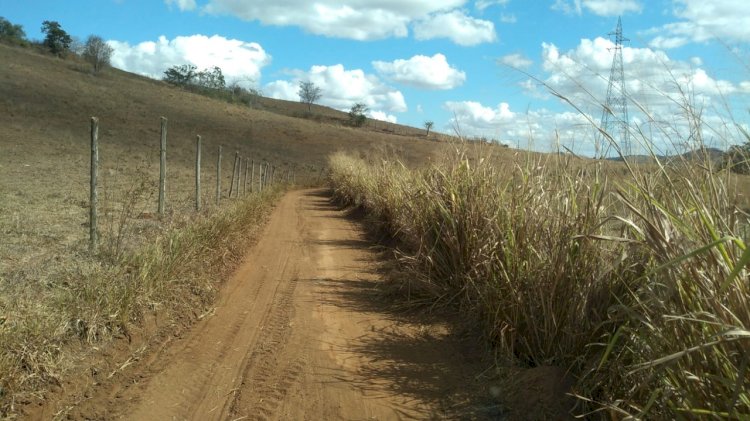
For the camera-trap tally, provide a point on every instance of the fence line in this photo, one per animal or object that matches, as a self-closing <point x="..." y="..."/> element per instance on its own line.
<point x="266" y="177"/>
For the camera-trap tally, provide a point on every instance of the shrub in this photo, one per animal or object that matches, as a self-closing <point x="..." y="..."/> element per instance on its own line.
<point x="182" y="75"/>
<point x="357" y="117"/>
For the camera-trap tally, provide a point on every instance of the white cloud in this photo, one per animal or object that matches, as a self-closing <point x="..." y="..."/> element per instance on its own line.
<point x="542" y="127"/>
<point x="481" y="5"/>
<point x="457" y="26"/>
<point x="342" y="88"/>
<point x="598" y="7"/>
<point x="702" y="21"/>
<point x="477" y="116"/>
<point x="659" y="90"/>
<point x="652" y="77"/>
<point x="568" y="7"/>
<point x="508" y="18"/>
<point x="382" y="116"/>
<point x="183" y="5"/>
<point x="354" y="19"/>
<point x="238" y="60"/>
<point x="516" y="60"/>
<point x="612" y="7"/>
<point x="422" y="71"/>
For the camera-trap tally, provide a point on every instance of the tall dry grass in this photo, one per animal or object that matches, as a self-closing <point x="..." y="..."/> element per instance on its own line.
<point x="175" y="273"/>
<point x="636" y="284"/>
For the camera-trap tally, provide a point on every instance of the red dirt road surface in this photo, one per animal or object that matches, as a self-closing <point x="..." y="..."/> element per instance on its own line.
<point x="301" y="331"/>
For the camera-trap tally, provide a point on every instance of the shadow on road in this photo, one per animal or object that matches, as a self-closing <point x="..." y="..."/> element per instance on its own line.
<point x="424" y="353"/>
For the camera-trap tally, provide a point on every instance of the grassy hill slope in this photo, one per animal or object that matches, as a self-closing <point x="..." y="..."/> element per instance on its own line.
<point x="45" y="106"/>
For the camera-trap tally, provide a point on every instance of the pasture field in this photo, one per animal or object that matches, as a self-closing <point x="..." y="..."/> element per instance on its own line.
<point x="53" y="293"/>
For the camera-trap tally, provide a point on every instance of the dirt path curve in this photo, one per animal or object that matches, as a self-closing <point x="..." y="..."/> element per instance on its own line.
<point x="300" y="332"/>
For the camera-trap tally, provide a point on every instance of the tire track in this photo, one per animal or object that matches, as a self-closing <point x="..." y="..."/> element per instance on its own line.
<point x="269" y="373"/>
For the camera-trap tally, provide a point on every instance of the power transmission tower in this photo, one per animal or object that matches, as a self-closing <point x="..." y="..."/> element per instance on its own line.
<point x="615" y="113"/>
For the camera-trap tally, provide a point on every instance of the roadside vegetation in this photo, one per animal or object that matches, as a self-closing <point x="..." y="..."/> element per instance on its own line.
<point x="172" y="272"/>
<point x="59" y="305"/>
<point x="634" y="279"/>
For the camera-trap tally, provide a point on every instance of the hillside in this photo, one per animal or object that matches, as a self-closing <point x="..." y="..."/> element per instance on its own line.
<point x="45" y="106"/>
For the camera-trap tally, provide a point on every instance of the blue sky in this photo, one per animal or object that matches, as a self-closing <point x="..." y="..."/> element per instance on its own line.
<point x="459" y="63"/>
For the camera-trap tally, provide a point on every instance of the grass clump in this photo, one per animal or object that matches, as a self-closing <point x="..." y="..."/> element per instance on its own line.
<point x="175" y="273"/>
<point x="636" y="284"/>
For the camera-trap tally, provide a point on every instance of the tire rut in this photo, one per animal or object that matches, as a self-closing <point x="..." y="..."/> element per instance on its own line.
<point x="268" y="373"/>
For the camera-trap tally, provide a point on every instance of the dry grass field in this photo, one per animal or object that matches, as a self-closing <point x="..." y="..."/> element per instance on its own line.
<point x="611" y="274"/>
<point x="44" y="149"/>
<point x="52" y="291"/>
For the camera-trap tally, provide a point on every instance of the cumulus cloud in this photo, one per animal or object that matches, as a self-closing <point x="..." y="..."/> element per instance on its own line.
<point x="476" y="116"/>
<point x="382" y="116"/>
<point x="659" y="91"/>
<point x="612" y="7"/>
<point x="516" y="60"/>
<point x="500" y="123"/>
<point x="702" y="21"/>
<point x="354" y="19"/>
<point x="183" y="5"/>
<point x="652" y="77"/>
<point x="422" y="72"/>
<point x="342" y="88"/>
<point x="598" y="7"/>
<point x="457" y="26"/>
<point x="239" y="60"/>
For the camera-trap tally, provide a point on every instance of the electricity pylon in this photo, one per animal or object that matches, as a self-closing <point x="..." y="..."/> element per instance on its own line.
<point x="615" y="113"/>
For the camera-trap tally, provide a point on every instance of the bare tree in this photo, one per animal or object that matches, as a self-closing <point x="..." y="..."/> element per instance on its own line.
<point x="97" y="52"/>
<point x="309" y="93"/>
<point x="428" y="126"/>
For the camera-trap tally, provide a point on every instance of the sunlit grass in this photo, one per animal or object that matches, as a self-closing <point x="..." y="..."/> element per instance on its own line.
<point x="637" y="284"/>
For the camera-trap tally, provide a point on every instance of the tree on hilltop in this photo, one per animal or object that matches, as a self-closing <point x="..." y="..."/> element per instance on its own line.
<point x="428" y="126"/>
<point x="57" y="40"/>
<point x="211" y="78"/>
<point x="309" y="93"/>
<point x="182" y="75"/>
<point x="97" y="52"/>
<point x="11" y="33"/>
<point x="357" y="114"/>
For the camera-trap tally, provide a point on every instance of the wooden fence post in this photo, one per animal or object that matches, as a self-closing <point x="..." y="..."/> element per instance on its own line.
<point x="244" y="184"/>
<point x="234" y="170"/>
<point x="93" y="199"/>
<point x="260" y="177"/>
<point x="218" y="177"/>
<point x="163" y="166"/>
<point x="252" y="174"/>
<point x="198" y="173"/>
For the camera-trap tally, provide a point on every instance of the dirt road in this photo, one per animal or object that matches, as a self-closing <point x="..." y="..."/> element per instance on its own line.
<point x="301" y="332"/>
